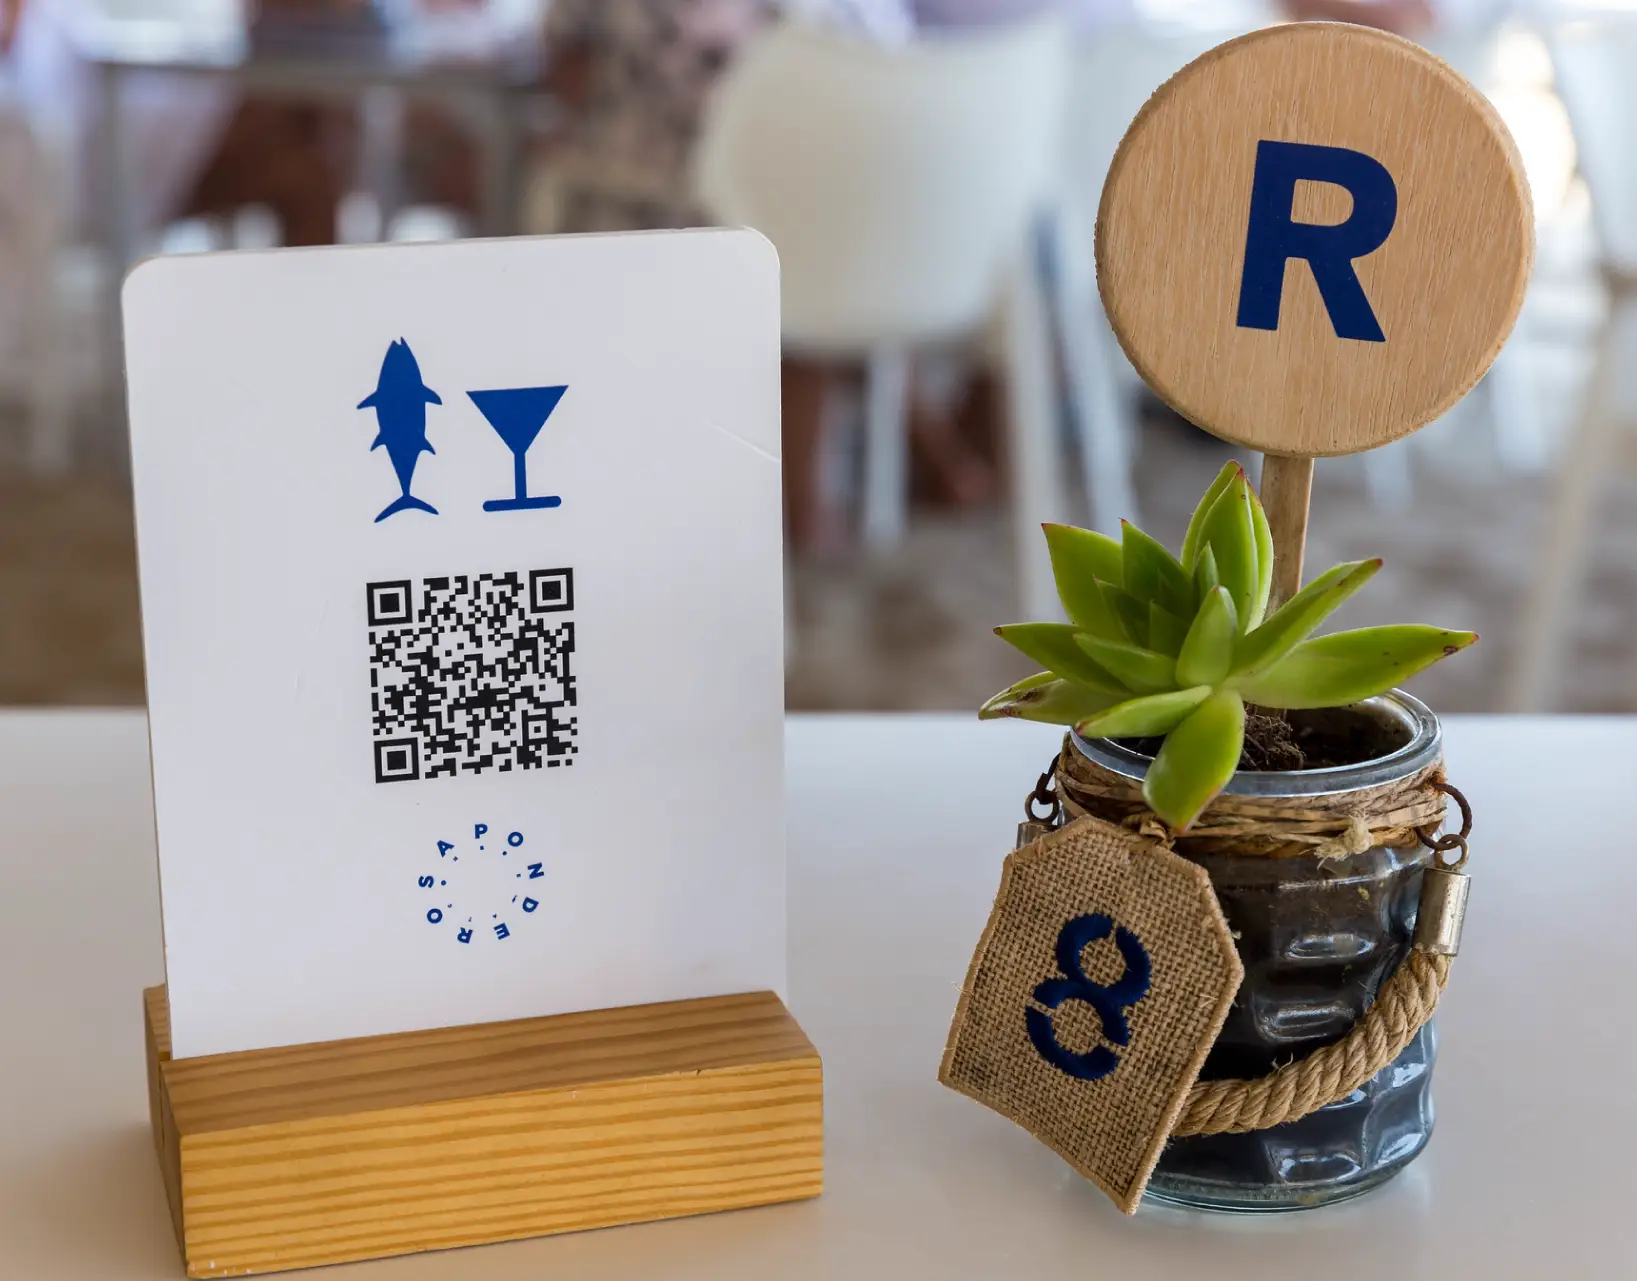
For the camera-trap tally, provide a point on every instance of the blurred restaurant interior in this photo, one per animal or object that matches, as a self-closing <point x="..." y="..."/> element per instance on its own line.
<point x="929" y="171"/>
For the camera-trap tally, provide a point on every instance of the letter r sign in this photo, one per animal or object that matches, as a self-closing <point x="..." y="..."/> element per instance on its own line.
<point x="1418" y="249"/>
<point x="1273" y="237"/>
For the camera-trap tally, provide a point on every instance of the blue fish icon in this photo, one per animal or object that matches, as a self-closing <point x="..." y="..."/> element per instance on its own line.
<point x="399" y="401"/>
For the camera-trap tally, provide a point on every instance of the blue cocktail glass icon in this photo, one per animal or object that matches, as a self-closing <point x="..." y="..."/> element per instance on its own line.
<point x="517" y="414"/>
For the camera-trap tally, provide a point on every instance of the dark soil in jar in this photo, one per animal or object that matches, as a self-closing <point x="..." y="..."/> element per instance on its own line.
<point x="1322" y="738"/>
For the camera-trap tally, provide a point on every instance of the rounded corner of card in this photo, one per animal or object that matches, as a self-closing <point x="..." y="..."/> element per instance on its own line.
<point x="758" y="250"/>
<point x="147" y="275"/>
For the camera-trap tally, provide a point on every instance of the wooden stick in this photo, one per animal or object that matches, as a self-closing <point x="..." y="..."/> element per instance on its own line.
<point x="1287" y="484"/>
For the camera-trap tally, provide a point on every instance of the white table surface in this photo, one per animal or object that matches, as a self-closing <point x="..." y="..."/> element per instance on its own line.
<point x="897" y="830"/>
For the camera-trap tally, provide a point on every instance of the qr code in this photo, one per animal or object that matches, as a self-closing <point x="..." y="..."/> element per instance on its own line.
<point x="471" y="674"/>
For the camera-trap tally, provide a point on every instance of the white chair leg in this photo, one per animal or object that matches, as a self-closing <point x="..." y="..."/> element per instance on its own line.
<point x="49" y="428"/>
<point x="1560" y="571"/>
<point x="886" y="447"/>
<point x="1387" y="478"/>
<point x="1037" y="491"/>
<point x="1104" y="425"/>
<point x="1521" y="441"/>
<point x="380" y="150"/>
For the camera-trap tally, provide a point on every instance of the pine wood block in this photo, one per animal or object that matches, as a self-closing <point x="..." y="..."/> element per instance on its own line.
<point x="346" y="1150"/>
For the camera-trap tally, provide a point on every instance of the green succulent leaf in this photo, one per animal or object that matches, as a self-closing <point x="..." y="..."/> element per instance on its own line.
<point x="1205" y="575"/>
<point x="1299" y="617"/>
<point x="1085" y="551"/>
<point x="1191" y="542"/>
<point x="1207" y="653"/>
<point x="1264" y="561"/>
<point x="1079" y="558"/>
<point x="1197" y="760"/>
<point x="1178" y="648"/>
<point x="1132" y="613"/>
<point x="1153" y="574"/>
<point x="1230" y="532"/>
<point x="1143" y="717"/>
<point x="1345" y="667"/>
<point x="1166" y="631"/>
<point x="1053" y="646"/>
<point x="1049" y="698"/>
<point x="1140" y="670"/>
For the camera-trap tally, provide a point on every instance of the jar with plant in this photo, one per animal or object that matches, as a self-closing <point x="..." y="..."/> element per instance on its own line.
<point x="1268" y="753"/>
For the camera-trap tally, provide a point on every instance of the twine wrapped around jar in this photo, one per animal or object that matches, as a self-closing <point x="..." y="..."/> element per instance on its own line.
<point x="1331" y="825"/>
<point x="1324" y="826"/>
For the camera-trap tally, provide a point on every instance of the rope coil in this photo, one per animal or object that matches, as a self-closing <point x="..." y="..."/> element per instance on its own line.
<point x="1330" y="1074"/>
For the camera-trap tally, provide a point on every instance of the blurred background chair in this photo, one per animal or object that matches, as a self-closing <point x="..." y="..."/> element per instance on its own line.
<point x="1510" y="392"/>
<point x="900" y="186"/>
<point x="1595" y="63"/>
<point x="1113" y="75"/>
<point x="1508" y="398"/>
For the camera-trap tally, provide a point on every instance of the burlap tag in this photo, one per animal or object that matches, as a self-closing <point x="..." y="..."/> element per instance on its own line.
<point x="1098" y="987"/>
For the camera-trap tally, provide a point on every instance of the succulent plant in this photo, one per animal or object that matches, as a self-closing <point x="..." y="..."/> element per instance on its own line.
<point x="1177" y="647"/>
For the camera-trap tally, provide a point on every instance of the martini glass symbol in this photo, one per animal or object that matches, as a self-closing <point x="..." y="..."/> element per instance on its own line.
<point x="517" y="414"/>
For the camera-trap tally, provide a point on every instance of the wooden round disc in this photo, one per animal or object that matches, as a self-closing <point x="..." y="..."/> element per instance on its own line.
<point x="1314" y="239"/>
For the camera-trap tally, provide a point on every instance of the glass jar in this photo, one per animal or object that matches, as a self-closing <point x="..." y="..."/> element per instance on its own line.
<point x="1317" y="939"/>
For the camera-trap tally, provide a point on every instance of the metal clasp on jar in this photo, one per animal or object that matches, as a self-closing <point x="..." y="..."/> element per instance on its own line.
<point x="1034" y="826"/>
<point x="1444" y="886"/>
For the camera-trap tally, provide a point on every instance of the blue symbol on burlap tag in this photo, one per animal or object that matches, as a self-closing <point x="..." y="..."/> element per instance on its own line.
<point x="1111" y="1001"/>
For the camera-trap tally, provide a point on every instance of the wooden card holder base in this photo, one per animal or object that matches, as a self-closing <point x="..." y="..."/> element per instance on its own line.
<point x="357" y="1149"/>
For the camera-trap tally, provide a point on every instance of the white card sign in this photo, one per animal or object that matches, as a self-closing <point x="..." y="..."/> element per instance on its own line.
<point x="461" y="593"/>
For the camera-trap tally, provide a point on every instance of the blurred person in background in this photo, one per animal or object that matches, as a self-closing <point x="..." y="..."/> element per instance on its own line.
<point x="631" y="78"/>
